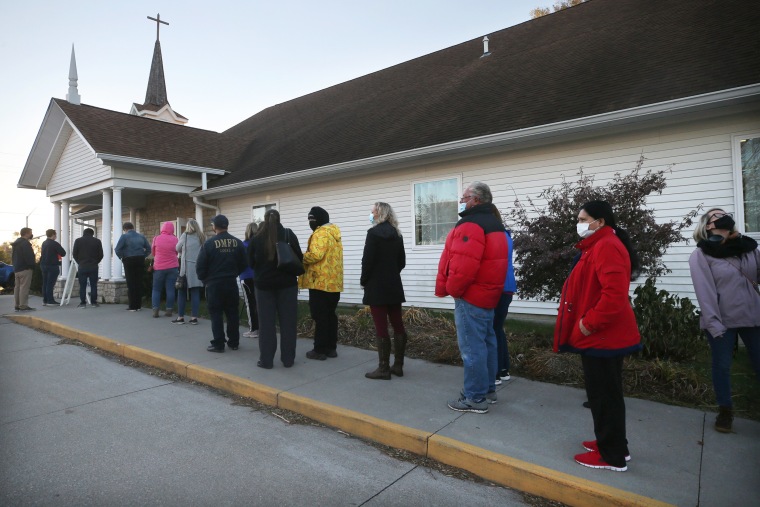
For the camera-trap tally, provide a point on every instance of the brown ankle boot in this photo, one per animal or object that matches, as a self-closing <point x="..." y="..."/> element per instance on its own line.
<point x="724" y="420"/>
<point x="399" y="347"/>
<point x="383" y="371"/>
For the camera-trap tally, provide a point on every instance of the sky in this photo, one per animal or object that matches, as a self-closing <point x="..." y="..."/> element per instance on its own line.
<point x="224" y="61"/>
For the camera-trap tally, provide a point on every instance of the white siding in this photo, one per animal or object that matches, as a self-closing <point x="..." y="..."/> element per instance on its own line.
<point x="77" y="168"/>
<point x="698" y="155"/>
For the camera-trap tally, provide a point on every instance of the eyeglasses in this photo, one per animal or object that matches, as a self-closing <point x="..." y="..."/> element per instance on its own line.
<point x="718" y="216"/>
<point x="466" y="198"/>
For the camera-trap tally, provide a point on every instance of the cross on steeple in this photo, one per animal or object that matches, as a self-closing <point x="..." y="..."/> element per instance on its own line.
<point x="158" y="21"/>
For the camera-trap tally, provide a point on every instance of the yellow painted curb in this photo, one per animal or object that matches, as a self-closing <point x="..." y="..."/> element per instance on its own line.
<point x="155" y="359"/>
<point x="356" y="423"/>
<point x="91" y="339"/>
<point x="531" y="478"/>
<point x="233" y="384"/>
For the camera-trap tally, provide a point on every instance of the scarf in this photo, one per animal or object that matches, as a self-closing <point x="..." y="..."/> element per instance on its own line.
<point x="730" y="248"/>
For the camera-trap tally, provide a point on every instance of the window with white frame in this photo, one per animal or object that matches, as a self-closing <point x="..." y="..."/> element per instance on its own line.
<point x="435" y="210"/>
<point x="257" y="212"/>
<point x="747" y="177"/>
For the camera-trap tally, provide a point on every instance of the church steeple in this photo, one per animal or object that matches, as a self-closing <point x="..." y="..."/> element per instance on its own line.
<point x="156" y="103"/>
<point x="73" y="96"/>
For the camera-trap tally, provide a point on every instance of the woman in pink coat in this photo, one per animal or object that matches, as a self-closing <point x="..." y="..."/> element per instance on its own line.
<point x="165" y="268"/>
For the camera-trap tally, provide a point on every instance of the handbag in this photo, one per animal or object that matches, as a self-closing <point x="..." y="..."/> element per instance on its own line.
<point x="287" y="260"/>
<point x="181" y="282"/>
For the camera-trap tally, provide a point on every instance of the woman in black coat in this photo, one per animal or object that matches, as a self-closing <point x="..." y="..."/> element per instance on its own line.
<point x="384" y="258"/>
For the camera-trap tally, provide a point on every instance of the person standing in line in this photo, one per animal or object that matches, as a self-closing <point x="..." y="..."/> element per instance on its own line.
<point x="725" y="271"/>
<point x="502" y="309"/>
<point x="50" y="265"/>
<point x="249" y="294"/>
<point x="132" y="248"/>
<point x="165" y="269"/>
<point x="276" y="291"/>
<point x="220" y="261"/>
<point x="472" y="270"/>
<point x="23" y="267"/>
<point x="188" y="247"/>
<point x="87" y="252"/>
<point x="323" y="262"/>
<point x="596" y="320"/>
<point x="383" y="259"/>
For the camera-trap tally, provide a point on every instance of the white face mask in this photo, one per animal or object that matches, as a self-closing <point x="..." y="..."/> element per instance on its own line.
<point x="583" y="230"/>
<point x="462" y="207"/>
<point x="371" y="218"/>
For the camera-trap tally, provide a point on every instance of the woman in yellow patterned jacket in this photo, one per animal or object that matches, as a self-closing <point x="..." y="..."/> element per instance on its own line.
<point x="323" y="262"/>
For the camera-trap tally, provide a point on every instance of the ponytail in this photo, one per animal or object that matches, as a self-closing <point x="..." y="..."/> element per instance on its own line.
<point x="602" y="209"/>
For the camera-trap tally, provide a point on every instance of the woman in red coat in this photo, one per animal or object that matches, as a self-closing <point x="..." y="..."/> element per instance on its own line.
<point x="596" y="320"/>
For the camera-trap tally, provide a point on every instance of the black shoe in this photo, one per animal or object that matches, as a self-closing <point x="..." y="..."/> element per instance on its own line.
<point x="95" y="305"/>
<point x="233" y="347"/>
<point x="213" y="348"/>
<point x="82" y="305"/>
<point x="333" y="354"/>
<point x="261" y="365"/>
<point x="54" y="303"/>
<point x="313" y="354"/>
<point x="288" y="365"/>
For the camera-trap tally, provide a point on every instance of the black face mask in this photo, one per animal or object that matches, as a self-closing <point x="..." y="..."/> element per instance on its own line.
<point x="313" y="225"/>
<point x="725" y="222"/>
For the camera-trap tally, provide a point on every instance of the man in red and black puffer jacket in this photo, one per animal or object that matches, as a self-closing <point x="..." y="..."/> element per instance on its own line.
<point x="472" y="270"/>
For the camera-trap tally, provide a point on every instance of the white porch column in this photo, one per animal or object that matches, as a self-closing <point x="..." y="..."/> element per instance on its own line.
<point x="199" y="217"/>
<point x="57" y="218"/>
<point x="65" y="226"/>
<point x="107" y="245"/>
<point x="133" y="216"/>
<point x="116" y="272"/>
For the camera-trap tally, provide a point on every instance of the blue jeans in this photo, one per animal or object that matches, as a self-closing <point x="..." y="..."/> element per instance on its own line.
<point x="83" y="275"/>
<point x="195" y="301"/>
<point x="164" y="279"/>
<point x="499" y="316"/>
<point x="49" y="276"/>
<point x="477" y="345"/>
<point x="722" y="356"/>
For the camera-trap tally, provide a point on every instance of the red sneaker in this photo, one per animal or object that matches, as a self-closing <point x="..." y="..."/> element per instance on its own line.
<point x="593" y="459"/>
<point x="590" y="445"/>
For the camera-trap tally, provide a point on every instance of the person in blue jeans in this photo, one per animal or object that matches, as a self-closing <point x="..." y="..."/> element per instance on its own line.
<point x="502" y="309"/>
<point x="188" y="247"/>
<point x="472" y="270"/>
<point x="50" y="265"/>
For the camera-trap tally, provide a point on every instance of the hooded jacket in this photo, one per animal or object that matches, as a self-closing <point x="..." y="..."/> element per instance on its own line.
<point x="23" y="255"/>
<point x="50" y="252"/>
<point x="323" y="260"/>
<point x="597" y="292"/>
<point x="384" y="258"/>
<point x="164" y="248"/>
<point x="87" y="251"/>
<point x="473" y="265"/>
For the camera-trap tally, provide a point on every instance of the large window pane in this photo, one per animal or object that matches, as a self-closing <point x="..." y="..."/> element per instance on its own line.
<point x="750" y="154"/>
<point x="258" y="212"/>
<point x="435" y="211"/>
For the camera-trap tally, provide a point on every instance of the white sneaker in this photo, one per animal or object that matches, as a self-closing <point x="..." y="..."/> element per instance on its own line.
<point x="255" y="334"/>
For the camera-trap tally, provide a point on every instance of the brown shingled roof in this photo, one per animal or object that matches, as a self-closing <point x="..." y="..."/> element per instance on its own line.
<point x="598" y="57"/>
<point x="128" y="135"/>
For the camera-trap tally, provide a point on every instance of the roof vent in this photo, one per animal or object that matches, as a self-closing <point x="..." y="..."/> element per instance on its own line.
<point x="485" y="47"/>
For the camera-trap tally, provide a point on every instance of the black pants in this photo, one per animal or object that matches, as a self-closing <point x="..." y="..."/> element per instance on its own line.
<point x="222" y="300"/>
<point x="85" y="274"/>
<point x="604" y="388"/>
<point x="250" y="305"/>
<point x="134" y="267"/>
<point x="322" y="306"/>
<point x="277" y="306"/>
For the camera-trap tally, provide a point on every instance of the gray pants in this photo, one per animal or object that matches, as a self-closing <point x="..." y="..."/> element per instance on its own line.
<point x="283" y="304"/>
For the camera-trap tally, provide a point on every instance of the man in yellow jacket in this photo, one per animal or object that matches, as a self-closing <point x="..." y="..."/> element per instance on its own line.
<point x="323" y="262"/>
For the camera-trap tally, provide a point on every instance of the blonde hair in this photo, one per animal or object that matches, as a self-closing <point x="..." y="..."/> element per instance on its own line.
<point x="385" y="214"/>
<point x="250" y="230"/>
<point x="192" y="227"/>
<point x="700" y="232"/>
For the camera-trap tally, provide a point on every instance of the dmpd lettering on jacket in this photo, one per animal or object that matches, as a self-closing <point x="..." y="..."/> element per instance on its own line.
<point x="225" y="244"/>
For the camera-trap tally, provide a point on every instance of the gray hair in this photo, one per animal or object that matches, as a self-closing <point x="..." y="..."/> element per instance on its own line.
<point x="700" y="232"/>
<point x="193" y="227"/>
<point x="481" y="191"/>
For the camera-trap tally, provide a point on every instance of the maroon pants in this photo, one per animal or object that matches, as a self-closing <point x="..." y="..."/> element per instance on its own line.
<point x="381" y="314"/>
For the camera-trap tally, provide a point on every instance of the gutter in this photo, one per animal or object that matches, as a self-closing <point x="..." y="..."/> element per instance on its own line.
<point x="105" y="157"/>
<point x="514" y="137"/>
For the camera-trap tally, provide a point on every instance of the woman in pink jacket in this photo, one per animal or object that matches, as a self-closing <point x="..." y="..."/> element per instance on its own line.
<point x="165" y="268"/>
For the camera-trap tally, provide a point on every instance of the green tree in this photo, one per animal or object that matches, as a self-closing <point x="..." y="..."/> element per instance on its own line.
<point x="558" y="6"/>
<point x="545" y="237"/>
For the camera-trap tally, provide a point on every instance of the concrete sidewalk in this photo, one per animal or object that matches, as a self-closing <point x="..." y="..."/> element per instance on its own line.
<point x="527" y="440"/>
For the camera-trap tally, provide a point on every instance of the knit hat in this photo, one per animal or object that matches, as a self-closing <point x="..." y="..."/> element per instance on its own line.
<point x="319" y="216"/>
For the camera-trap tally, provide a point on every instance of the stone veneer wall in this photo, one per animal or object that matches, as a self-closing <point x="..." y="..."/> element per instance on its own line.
<point x="108" y="292"/>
